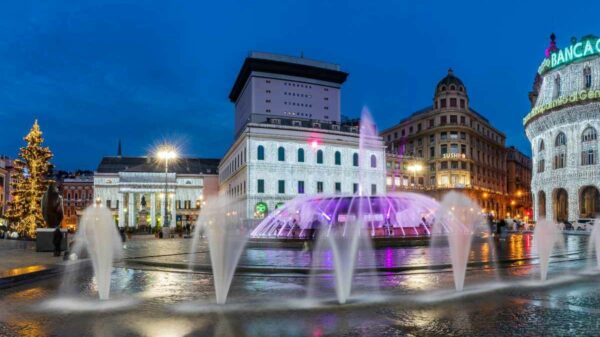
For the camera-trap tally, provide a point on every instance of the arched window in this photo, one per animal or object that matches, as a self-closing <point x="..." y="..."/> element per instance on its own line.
<point x="281" y="154"/>
<point x="443" y="88"/>
<point x="338" y="158"/>
<point x="452" y="87"/>
<point x="556" y="92"/>
<point x="587" y="77"/>
<point x="461" y="89"/>
<point x="373" y="161"/>
<point x="320" y="157"/>
<point x="561" y="139"/>
<point x="260" y="153"/>
<point x="542" y="146"/>
<point x="301" y="155"/>
<point x="589" y="134"/>
<point x="68" y="196"/>
<point x="355" y="159"/>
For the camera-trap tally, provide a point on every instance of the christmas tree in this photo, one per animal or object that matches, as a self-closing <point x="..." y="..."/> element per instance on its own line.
<point x="29" y="180"/>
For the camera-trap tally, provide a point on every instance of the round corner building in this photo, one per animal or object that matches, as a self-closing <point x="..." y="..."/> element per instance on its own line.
<point x="563" y="130"/>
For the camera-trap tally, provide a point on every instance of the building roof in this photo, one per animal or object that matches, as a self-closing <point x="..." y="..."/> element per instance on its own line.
<point x="285" y="65"/>
<point x="430" y="108"/>
<point x="147" y="164"/>
<point x="450" y="79"/>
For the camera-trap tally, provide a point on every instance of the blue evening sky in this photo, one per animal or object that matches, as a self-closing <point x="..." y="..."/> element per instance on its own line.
<point x="142" y="71"/>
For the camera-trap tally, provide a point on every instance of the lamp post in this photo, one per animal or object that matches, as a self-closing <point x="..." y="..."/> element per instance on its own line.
<point x="414" y="168"/>
<point x="166" y="153"/>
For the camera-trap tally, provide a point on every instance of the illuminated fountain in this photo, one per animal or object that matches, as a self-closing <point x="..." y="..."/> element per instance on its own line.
<point x="99" y="238"/>
<point x="226" y="237"/>
<point x="457" y="220"/>
<point x="594" y="242"/>
<point x="546" y="236"/>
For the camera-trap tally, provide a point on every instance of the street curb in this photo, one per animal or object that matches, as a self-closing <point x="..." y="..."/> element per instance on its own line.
<point x="35" y="273"/>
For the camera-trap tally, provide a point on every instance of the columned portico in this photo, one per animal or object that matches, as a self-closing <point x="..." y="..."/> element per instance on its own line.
<point x="131" y="209"/>
<point x="121" y="206"/>
<point x="153" y="210"/>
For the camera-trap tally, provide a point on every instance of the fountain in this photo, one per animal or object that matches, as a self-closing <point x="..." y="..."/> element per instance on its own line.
<point x="546" y="236"/>
<point x="226" y="237"/>
<point x="457" y="220"/>
<point x="594" y="242"/>
<point x="98" y="236"/>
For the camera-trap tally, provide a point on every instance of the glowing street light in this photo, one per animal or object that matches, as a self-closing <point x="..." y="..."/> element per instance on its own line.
<point x="166" y="153"/>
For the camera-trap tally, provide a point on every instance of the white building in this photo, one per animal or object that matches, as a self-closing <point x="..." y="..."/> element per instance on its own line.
<point x="563" y="129"/>
<point x="134" y="188"/>
<point x="289" y="140"/>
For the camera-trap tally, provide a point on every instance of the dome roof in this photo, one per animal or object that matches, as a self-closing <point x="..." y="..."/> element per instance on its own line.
<point x="449" y="80"/>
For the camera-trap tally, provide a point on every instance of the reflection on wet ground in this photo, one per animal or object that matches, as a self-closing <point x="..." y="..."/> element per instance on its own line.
<point x="512" y="247"/>
<point x="500" y="302"/>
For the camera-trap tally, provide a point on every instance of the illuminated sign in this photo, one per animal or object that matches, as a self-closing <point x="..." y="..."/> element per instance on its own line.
<point x="454" y="156"/>
<point x="261" y="208"/>
<point x="576" y="97"/>
<point x="572" y="53"/>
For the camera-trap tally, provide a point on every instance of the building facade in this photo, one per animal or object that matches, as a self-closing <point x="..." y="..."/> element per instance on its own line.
<point x="289" y="139"/>
<point x="5" y="171"/>
<point x="456" y="147"/>
<point x="518" y="183"/>
<point x="133" y="188"/>
<point x="563" y="130"/>
<point x="77" y="193"/>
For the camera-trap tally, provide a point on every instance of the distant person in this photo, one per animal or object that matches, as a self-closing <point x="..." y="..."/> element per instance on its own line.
<point x="57" y="241"/>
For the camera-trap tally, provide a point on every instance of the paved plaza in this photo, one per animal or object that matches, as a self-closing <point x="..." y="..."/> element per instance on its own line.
<point x="502" y="298"/>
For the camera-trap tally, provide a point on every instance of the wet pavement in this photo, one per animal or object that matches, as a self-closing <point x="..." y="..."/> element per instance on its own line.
<point x="502" y="301"/>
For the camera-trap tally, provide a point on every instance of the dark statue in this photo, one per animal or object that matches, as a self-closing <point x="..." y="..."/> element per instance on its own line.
<point x="143" y="202"/>
<point x="52" y="206"/>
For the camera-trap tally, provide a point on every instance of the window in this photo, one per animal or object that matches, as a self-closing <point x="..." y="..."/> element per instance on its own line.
<point x="453" y="148"/>
<point x="444" y="165"/>
<point x="443" y="120"/>
<point x="541" y="146"/>
<point x="463" y="165"/>
<point x="443" y="149"/>
<point x="432" y="152"/>
<point x="260" y="153"/>
<point x="373" y="161"/>
<point x="338" y="187"/>
<point x="453" y="119"/>
<point x="541" y="165"/>
<point x="444" y="135"/>
<point x="589" y="134"/>
<point x="281" y="154"/>
<point x="355" y="159"/>
<point x="559" y="161"/>
<point x="463" y="136"/>
<point x="556" y="92"/>
<point x="301" y="155"/>
<point x="355" y="188"/>
<point x="261" y="186"/>
<point x="373" y="189"/>
<point x="454" y="165"/>
<point x="463" y="149"/>
<point x="443" y="103"/>
<point x="587" y="77"/>
<point x="431" y="123"/>
<point x="432" y="167"/>
<point x="338" y="158"/>
<point x="561" y="139"/>
<point x="281" y="186"/>
<point x="320" y="157"/>
<point x="588" y="157"/>
<point x="431" y="139"/>
<point x="462" y="103"/>
<point x="319" y="187"/>
<point x="463" y="120"/>
<point x="300" y="187"/>
<point x="453" y="102"/>
<point x="107" y="203"/>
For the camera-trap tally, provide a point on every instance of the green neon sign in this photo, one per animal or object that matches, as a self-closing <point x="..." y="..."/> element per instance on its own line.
<point x="570" y="54"/>
<point x="261" y="208"/>
<point x="576" y="97"/>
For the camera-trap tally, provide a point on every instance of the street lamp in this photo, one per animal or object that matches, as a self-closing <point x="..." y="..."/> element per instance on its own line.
<point x="166" y="153"/>
<point x="414" y="168"/>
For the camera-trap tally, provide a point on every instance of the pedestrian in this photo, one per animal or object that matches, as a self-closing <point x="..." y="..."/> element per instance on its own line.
<point x="57" y="241"/>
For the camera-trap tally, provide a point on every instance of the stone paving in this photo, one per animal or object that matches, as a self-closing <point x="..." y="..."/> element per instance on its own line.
<point x="507" y="301"/>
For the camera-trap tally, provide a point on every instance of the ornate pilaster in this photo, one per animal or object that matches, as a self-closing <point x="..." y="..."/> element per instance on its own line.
<point x="162" y="210"/>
